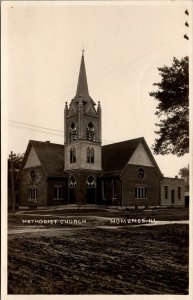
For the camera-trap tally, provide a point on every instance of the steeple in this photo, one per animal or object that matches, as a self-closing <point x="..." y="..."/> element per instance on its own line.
<point x="82" y="129"/>
<point x="82" y="87"/>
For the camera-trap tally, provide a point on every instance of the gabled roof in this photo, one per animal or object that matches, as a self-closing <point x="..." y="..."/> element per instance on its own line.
<point x="50" y="155"/>
<point x="116" y="156"/>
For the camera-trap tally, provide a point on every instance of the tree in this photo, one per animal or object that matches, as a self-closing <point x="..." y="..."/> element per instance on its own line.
<point x="17" y="160"/>
<point x="184" y="173"/>
<point x="173" y="108"/>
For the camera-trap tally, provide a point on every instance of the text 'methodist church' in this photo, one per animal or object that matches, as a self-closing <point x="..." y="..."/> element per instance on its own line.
<point x="82" y="171"/>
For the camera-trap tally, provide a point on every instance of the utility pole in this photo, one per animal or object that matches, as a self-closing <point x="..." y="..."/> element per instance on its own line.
<point x="12" y="184"/>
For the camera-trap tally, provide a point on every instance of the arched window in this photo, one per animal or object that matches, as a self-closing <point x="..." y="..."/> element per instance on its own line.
<point x="90" y="132"/>
<point x="91" y="181"/>
<point x="90" y="155"/>
<point x="72" y="155"/>
<point x="141" y="192"/>
<point x="72" y="182"/>
<point x="72" y="132"/>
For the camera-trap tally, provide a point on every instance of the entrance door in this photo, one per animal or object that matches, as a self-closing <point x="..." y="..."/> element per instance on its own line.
<point x="72" y="195"/>
<point x="90" y="195"/>
<point x="172" y="196"/>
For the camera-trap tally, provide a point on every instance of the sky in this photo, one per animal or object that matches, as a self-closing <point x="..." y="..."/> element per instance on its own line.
<point x="124" y="45"/>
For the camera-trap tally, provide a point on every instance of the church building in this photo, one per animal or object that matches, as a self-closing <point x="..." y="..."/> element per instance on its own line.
<point x="82" y="171"/>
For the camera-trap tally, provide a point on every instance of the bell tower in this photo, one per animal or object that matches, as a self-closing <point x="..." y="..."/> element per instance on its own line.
<point x="82" y="132"/>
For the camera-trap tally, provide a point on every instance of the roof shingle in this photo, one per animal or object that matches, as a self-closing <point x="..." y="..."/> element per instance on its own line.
<point x="115" y="156"/>
<point x="51" y="157"/>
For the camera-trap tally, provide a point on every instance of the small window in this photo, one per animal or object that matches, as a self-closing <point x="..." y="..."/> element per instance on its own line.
<point x="166" y="192"/>
<point x="140" y="173"/>
<point x="33" y="193"/>
<point x="72" y="155"/>
<point x="179" y="192"/>
<point x="58" y="192"/>
<point x="72" y="182"/>
<point x="90" y="181"/>
<point x="90" y="155"/>
<point x="33" y="175"/>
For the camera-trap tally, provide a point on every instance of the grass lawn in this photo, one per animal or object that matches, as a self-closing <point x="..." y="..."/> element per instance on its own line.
<point x="94" y="258"/>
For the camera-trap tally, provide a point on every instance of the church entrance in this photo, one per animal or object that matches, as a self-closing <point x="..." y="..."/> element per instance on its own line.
<point x="72" y="196"/>
<point x="91" y="190"/>
<point x="91" y="195"/>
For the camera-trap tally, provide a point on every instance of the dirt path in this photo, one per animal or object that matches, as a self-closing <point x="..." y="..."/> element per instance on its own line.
<point x="83" y="260"/>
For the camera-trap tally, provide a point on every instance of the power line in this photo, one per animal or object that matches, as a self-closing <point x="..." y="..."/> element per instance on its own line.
<point x="37" y="130"/>
<point x="26" y="124"/>
<point x="22" y="125"/>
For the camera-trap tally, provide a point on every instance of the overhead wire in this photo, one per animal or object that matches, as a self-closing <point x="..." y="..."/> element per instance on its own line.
<point x="37" y="130"/>
<point x="27" y="124"/>
<point x="46" y="130"/>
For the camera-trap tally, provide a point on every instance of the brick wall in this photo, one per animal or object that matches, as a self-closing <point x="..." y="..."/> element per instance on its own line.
<point x="51" y="198"/>
<point x="26" y="182"/>
<point x="130" y="180"/>
<point x="172" y="184"/>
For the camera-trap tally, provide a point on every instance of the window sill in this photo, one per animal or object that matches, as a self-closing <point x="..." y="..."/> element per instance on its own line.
<point x="55" y="199"/>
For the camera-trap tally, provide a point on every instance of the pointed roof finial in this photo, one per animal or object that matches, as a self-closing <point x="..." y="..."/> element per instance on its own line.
<point x="66" y="105"/>
<point x="99" y="107"/>
<point x="82" y="87"/>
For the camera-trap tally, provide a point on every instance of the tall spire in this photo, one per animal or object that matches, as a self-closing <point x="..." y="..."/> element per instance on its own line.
<point x="82" y="87"/>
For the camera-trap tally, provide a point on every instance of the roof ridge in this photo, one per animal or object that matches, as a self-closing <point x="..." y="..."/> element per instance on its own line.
<point x="140" y="138"/>
<point x="45" y="143"/>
